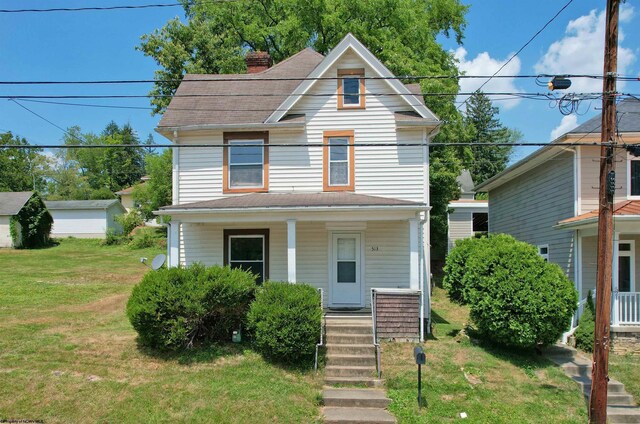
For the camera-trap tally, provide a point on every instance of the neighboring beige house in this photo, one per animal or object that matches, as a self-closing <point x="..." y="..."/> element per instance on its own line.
<point x="326" y="180"/>
<point x="126" y="194"/>
<point x="550" y="200"/>
<point x="467" y="217"/>
<point x="85" y="218"/>
<point x="11" y="203"/>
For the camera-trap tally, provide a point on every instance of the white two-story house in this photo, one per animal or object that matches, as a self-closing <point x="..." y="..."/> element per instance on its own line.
<point x="550" y="199"/>
<point x="313" y="170"/>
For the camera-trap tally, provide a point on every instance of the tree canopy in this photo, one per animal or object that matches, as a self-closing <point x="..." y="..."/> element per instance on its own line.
<point x="21" y="169"/>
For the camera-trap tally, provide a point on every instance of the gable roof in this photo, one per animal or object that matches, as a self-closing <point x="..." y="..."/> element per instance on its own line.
<point x="80" y="204"/>
<point x="351" y="42"/>
<point x="12" y="202"/>
<point x="628" y="117"/>
<point x="258" y="95"/>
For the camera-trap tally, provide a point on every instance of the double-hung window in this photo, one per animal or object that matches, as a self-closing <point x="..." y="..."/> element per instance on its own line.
<point x="634" y="178"/>
<point x="351" y="93"/>
<point x="246" y="162"/>
<point x="543" y="250"/>
<point x="338" y="157"/>
<point x="248" y="250"/>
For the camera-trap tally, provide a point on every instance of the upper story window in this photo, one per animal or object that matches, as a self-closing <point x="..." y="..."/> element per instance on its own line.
<point x="338" y="161"/>
<point x="634" y="178"/>
<point x="245" y="162"/>
<point x="351" y="89"/>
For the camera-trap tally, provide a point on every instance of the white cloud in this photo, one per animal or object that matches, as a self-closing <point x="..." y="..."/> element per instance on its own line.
<point x="581" y="51"/>
<point x="484" y="64"/>
<point x="567" y="123"/>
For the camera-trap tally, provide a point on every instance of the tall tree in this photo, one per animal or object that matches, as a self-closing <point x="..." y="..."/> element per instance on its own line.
<point x="487" y="161"/>
<point x="402" y="33"/>
<point x="21" y="169"/>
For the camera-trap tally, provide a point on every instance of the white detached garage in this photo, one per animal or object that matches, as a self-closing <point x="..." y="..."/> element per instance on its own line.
<point x="85" y="218"/>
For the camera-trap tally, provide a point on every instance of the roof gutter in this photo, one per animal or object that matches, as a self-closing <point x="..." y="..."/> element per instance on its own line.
<point x="594" y="220"/>
<point x="350" y="208"/>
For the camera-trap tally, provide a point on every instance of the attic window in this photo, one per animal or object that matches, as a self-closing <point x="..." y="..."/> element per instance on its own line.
<point x="351" y="89"/>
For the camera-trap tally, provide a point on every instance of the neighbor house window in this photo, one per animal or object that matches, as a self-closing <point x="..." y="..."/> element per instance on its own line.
<point x="634" y="177"/>
<point x="543" y="250"/>
<point x="351" y="89"/>
<point x="248" y="250"/>
<point x="480" y="223"/>
<point x="338" y="158"/>
<point x="245" y="162"/>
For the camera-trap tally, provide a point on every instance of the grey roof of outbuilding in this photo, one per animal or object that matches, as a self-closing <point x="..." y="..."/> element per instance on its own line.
<point x="12" y="202"/>
<point x="465" y="181"/>
<point x="293" y="200"/>
<point x="79" y="204"/>
<point x="628" y="117"/>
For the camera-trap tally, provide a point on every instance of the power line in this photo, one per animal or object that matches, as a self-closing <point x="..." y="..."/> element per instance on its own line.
<point x="247" y="77"/>
<point x="594" y="95"/>
<point x="513" y="56"/>
<point x="45" y="119"/>
<point x="107" y="8"/>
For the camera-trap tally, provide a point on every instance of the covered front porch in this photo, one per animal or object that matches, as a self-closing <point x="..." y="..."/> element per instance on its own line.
<point x="344" y="244"/>
<point x="625" y="288"/>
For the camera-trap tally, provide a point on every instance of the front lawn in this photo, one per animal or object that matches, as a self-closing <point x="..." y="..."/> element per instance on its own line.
<point x="490" y="385"/>
<point x="69" y="354"/>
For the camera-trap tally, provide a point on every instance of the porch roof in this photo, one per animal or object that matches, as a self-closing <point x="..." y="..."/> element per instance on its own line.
<point x="293" y="201"/>
<point x="628" y="209"/>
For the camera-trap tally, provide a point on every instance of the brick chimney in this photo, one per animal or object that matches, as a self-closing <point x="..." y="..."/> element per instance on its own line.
<point x="258" y="62"/>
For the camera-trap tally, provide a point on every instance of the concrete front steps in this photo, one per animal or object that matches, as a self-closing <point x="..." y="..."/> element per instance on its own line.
<point x="351" y="365"/>
<point x="621" y="405"/>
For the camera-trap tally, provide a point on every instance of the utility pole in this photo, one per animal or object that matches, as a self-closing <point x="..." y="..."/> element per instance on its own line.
<point x="602" y="341"/>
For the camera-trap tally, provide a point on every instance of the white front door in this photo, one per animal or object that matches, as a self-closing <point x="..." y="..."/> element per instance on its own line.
<point x="346" y="274"/>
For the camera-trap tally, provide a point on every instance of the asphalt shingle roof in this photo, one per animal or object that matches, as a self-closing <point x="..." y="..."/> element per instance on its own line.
<point x="294" y="200"/>
<point x="628" y="116"/>
<point x="12" y="202"/>
<point x="79" y="204"/>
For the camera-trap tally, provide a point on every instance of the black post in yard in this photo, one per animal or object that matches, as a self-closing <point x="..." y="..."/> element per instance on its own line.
<point x="421" y="359"/>
<point x="419" y="386"/>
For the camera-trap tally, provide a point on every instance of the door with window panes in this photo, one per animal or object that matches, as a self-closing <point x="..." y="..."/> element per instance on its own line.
<point x="346" y="275"/>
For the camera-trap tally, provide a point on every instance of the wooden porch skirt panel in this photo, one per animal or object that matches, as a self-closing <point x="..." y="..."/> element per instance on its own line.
<point x="398" y="316"/>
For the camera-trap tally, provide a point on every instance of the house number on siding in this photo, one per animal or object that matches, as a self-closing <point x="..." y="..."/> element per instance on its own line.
<point x="374" y="248"/>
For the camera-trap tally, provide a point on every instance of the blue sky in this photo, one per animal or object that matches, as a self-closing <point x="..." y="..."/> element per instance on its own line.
<point x="101" y="45"/>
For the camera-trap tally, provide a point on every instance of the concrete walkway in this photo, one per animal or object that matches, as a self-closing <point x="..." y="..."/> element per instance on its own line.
<point x="621" y="405"/>
<point x="351" y="365"/>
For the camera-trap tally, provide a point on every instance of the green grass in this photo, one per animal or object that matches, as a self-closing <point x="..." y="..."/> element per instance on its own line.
<point x="491" y="385"/>
<point x="626" y="369"/>
<point x="69" y="354"/>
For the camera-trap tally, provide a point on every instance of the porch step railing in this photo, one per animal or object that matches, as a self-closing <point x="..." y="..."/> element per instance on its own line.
<point x="628" y="308"/>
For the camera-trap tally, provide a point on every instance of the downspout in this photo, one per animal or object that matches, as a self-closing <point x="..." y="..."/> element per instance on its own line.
<point x="175" y="158"/>
<point x="426" y="239"/>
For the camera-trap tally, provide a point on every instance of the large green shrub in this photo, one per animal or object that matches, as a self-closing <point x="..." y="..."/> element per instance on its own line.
<point x="130" y="221"/>
<point x="31" y="227"/>
<point x="455" y="266"/>
<point x="178" y="307"/>
<point x="285" y="322"/>
<point x="516" y="298"/>
<point x="586" y="326"/>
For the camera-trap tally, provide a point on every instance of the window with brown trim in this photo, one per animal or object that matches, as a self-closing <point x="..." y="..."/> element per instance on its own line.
<point x="248" y="250"/>
<point x="338" y="171"/>
<point x="245" y="162"/>
<point x="351" y="93"/>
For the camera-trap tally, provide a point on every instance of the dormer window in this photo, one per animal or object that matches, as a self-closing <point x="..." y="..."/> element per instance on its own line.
<point x="245" y="162"/>
<point x="351" y="89"/>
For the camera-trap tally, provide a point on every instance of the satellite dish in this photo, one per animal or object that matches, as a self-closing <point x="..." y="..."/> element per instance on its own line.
<point x="158" y="261"/>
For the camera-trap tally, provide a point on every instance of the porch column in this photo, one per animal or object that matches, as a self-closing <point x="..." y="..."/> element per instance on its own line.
<point x="291" y="250"/>
<point x="174" y="243"/>
<point x="615" y="284"/>
<point x="414" y="255"/>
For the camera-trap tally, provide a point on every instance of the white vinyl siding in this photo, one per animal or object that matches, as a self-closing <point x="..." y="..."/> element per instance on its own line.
<point x="530" y="205"/>
<point x="84" y="223"/>
<point x="386" y="246"/>
<point x="461" y="223"/>
<point x="388" y="171"/>
<point x="5" y="234"/>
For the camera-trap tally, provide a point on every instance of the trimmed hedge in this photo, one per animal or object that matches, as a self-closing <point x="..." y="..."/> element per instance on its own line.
<point x="177" y="308"/>
<point x="285" y="322"/>
<point x="584" y="334"/>
<point x="515" y="297"/>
